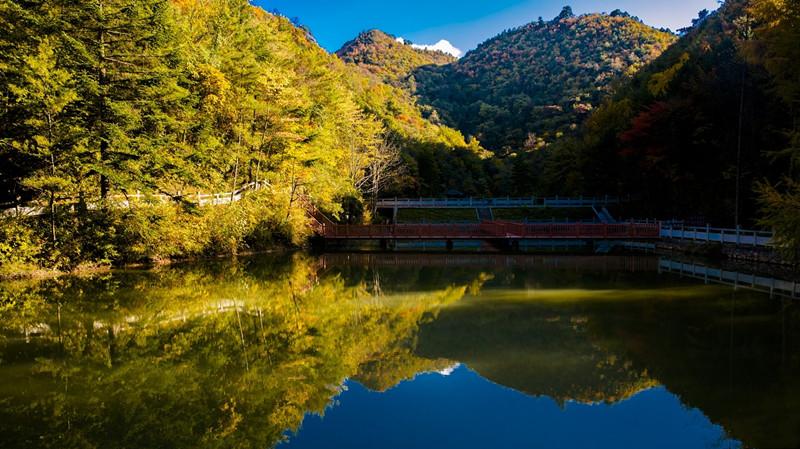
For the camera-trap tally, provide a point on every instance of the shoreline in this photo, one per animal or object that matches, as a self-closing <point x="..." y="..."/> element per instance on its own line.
<point x="87" y="269"/>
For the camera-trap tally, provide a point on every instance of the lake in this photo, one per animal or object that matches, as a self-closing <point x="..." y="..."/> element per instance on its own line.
<point x="398" y="351"/>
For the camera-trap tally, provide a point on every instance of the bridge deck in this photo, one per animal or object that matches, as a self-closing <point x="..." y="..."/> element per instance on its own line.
<point x="492" y="230"/>
<point x="497" y="203"/>
<point x="738" y="237"/>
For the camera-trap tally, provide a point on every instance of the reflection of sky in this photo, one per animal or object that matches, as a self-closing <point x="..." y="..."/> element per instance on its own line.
<point x="464" y="410"/>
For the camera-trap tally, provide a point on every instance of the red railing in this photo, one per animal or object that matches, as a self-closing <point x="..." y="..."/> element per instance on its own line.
<point x="493" y="229"/>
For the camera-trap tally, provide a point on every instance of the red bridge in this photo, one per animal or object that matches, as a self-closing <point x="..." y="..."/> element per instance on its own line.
<point x="492" y="230"/>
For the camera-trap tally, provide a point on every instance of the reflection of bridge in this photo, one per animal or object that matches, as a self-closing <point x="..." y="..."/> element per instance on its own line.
<point x="630" y="264"/>
<point x="492" y="230"/>
<point x="736" y="279"/>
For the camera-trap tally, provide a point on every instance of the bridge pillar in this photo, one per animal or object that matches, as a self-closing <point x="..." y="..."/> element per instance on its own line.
<point x="388" y="244"/>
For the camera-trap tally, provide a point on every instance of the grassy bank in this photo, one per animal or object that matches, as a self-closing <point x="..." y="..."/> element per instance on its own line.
<point x="437" y="215"/>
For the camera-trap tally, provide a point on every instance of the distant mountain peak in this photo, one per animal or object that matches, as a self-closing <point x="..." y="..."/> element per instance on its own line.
<point x="392" y="57"/>
<point x="540" y="80"/>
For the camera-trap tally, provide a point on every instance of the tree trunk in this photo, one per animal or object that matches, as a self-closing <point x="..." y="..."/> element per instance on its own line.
<point x="739" y="149"/>
<point x="53" y="215"/>
<point x="104" y="183"/>
<point x="53" y="173"/>
<point x="102" y="81"/>
<point x="235" y="177"/>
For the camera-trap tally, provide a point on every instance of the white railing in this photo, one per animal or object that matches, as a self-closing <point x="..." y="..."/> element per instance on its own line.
<point x="124" y="201"/>
<point x="444" y="203"/>
<point x="708" y="234"/>
<point x="770" y="285"/>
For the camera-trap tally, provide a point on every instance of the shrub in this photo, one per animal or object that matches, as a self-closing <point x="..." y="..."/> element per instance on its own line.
<point x="20" y="247"/>
<point x="160" y="232"/>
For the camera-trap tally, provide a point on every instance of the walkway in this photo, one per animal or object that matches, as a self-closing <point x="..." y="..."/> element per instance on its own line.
<point x="491" y="230"/>
<point x="461" y="203"/>
<point x="738" y="237"/>
<point x="125" y="201"/>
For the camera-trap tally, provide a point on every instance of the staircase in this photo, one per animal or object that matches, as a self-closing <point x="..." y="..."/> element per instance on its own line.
<point x="485" y="214"/>
<point x="604" y="215"/>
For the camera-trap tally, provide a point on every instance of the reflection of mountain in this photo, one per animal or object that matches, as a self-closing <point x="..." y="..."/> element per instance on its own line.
<point x="390" y="367"/>
<point x="527" y="330"/>
<point x="735" y="357"/>
<point x="194" y="357"/>
<point x="534" y="347"/>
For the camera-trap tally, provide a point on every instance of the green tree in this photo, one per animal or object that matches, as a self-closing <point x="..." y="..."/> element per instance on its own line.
<point x="775" y="46"/>
<point x="46" y="91"/>
<point x="124" y="62"/>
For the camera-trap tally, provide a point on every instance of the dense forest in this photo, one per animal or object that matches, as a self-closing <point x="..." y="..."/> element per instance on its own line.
<point x="101" y="101"/>
<point x="702" y="126"/>
<point x="530" y="85"/>
<point x="707" y="130"/>
<point x="107" y="108"/>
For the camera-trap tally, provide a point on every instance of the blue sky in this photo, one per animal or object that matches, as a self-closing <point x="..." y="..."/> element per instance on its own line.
<point x="465" y="23"/>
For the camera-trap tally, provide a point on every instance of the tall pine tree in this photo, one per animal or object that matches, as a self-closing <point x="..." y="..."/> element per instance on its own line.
<point x="125" y="63"/>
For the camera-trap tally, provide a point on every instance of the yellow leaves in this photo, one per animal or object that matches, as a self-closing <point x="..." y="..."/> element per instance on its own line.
<point x="184" y="5"/>
<point x="46" y="183"/>
<point x="769" y="13"/>
<point x="659" y="82"/>
<point x="45" y="86"/>
<point x="213" y="86"/>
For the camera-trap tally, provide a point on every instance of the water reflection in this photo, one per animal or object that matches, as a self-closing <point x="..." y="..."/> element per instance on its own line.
<point x="432" y="411"/>
<point x="240" y="354"/>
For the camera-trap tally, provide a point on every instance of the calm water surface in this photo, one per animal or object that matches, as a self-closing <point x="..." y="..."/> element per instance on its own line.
<point x="398" y="351"/>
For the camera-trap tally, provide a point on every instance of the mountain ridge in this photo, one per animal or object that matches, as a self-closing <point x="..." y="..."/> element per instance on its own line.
<point x="529" y="85"/>
<point x="386" y="56"/>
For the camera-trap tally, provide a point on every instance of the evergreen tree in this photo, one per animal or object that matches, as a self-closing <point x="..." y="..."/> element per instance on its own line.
<point x="122" y="56"/>
<point x="775" y="45"/>
<point x="46" y="91"/>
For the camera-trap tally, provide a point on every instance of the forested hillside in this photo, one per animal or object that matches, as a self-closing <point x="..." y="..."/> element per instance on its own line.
<point x="529" y="85"/>
<point x="703" y="131"/>
<point x="108" y="108"/>
<point x="436" y="158"/>
<point x="104" y="100"/>
<point x="385" y="56"/>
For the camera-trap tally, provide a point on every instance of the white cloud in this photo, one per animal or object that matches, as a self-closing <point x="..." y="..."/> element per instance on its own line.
<point x="443" y="45"/>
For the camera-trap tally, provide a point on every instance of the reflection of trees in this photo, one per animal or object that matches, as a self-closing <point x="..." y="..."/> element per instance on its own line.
<point x="233" y="354"/>
<point x="227" y="356"/>
<point x="733" y="355"/>
<point x="735" y="358"/>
